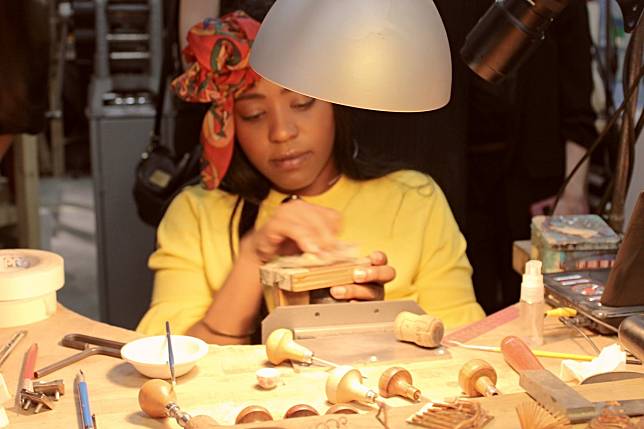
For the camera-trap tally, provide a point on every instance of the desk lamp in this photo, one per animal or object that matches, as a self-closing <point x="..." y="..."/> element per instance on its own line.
<point x="389" y="55"/>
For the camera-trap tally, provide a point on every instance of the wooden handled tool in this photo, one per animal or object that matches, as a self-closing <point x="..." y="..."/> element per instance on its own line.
<point x="342" y="409"/>
<point x="157" y="399"/>
<point x="423" y="330"/>
<point x="518" y="355"/>
<point x="280" y="346"/>
<point x="344" y="384"/>
<point x="300" y="410"/>
<point x="253" y="413"/>
<point x="478" y="378"/>
<point x="396" y="381"/>
<point x="552" y="393"/>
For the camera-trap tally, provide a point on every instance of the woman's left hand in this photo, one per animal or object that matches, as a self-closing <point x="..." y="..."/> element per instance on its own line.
<point x="369" y="281"/>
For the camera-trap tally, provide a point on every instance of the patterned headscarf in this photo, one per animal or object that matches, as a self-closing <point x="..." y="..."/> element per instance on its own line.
<point x="219" y="49"/>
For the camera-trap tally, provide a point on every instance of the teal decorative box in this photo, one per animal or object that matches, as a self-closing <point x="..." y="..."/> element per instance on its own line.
<point x="576" y="242"/>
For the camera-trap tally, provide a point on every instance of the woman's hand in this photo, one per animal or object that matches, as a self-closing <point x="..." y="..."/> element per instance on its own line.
<point x="369" y="281"/>
<point x="295" y="227"/>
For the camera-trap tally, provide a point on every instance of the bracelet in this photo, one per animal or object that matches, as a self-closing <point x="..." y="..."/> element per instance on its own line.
<point x="224" y="334"/>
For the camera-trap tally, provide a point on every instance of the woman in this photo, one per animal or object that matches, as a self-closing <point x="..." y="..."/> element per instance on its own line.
<point x="287" y="144"/>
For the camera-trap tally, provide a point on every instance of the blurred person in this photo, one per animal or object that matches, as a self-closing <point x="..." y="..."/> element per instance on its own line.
<point x="524" y="136"/>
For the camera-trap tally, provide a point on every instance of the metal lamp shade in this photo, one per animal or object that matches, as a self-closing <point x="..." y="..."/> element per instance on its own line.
<point x="390" y="55"/>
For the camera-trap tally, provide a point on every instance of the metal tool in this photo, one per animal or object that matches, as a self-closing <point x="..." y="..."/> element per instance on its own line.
<point x="27" y="375"/>
<point x="90" y="346"/>
<point x="170" y="353"/>
<point x="41" y="400"/>
<point x="552" y="393"/>
<point x="8" y="348"/>
<point x="54" y="388"/>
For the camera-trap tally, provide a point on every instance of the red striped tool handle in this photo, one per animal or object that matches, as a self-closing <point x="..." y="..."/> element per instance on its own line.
<point x="518" y="355"/>
<point x="29" y="364"/>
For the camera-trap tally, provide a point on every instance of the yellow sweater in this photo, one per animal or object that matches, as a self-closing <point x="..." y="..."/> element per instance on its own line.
<point x="403" y="214"/>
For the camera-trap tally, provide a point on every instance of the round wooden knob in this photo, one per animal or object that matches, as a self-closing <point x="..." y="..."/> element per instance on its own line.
<point x="424" y="330"/>
<point x="201" y="422"/>
<point x="477" y="377"/>
<point x="280" y="347"/>
<point x="300" y="410"/>
<point x="253" y="413"/>
<point x="342" y="409"/>
<point x="396" y="381"/>
<point x="344" y="384"/>
<point x="154" y="395"/>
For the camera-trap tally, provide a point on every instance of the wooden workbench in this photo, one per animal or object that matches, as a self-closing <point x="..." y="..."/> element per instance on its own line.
<point x="224" y="381"/>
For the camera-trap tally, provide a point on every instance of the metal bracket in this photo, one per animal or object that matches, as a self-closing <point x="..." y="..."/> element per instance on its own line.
<point x="331" y="330"/>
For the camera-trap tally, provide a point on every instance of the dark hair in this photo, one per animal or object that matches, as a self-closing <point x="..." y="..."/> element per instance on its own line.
<point x="251" y="187"/>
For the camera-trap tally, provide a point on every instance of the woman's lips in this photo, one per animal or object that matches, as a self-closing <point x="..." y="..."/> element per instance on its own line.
<point x="291" y="161"/>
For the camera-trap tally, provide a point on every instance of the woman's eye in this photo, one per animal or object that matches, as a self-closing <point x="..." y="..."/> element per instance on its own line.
<point x="304" y="105"/>
<point x="251" y="117"/>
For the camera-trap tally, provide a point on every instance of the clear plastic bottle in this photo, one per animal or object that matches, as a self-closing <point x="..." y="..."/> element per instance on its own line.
<point x="532" y="305"/>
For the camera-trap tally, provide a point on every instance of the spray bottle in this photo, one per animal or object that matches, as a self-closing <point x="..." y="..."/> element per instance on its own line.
<point x="532" y="306"/>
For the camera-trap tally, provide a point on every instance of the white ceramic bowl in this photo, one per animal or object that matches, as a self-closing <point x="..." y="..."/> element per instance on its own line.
<point x="149" y="355"/>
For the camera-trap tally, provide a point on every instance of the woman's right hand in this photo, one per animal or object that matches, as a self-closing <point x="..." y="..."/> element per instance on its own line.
<point x="295" y="227"/>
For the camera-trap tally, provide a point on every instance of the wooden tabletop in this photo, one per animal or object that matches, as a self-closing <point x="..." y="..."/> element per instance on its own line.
<point x="224" y="381"/>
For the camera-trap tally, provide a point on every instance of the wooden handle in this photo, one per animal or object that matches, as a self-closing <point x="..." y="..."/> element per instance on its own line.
<point x="154" y="395"/>
<point x="518" y="355"/>
<point x="202" y="422"/>
<point x="423" y="330"/>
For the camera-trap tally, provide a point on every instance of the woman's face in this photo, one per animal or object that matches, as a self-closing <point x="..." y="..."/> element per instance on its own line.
<point x="288" y="137"/>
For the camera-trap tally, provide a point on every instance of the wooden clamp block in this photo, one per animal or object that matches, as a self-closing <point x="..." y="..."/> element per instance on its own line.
<point x="291" y="285"/>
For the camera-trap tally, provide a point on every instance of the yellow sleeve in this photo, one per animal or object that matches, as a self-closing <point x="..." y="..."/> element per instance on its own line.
<point x="444" y="280"/>
<point x="181" y="293"/>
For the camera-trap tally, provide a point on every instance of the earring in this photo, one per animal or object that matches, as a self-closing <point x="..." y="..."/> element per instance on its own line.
<point x="356" y="149"/>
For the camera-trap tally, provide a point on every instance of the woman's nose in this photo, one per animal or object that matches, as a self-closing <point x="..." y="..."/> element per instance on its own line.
<point x="282" y="128"/>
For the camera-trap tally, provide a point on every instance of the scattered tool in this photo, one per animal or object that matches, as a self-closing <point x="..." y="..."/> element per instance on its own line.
<point x="423" y="330"/>
<point x="300" y="410"/>
<point x="552" y="393"/>
<point x="397" y="381"/>
<point x="8" y="348"/>
<point x="453" y="414"/>
<point x="55" y="388"/>
<point x="534" y="416"/>
<point x="252" y="414"/>
<point x="539" y="353"/>
<point x="342" y="409"/>
<point x="41" y="400"/>
<point x="344" y="384"/>
<point x="33" y="392"/>
<point x="90" y="346"/>
<point x="478" y="378"/>
<point x="280" y="346"/>
<point x="25" y="397"/>
<point x="157" y="399"/>
<point x="88" y="418"/>
<point x="170" y="354"/>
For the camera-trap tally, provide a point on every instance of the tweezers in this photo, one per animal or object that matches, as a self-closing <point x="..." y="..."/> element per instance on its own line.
<point x="90" y="346"/>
